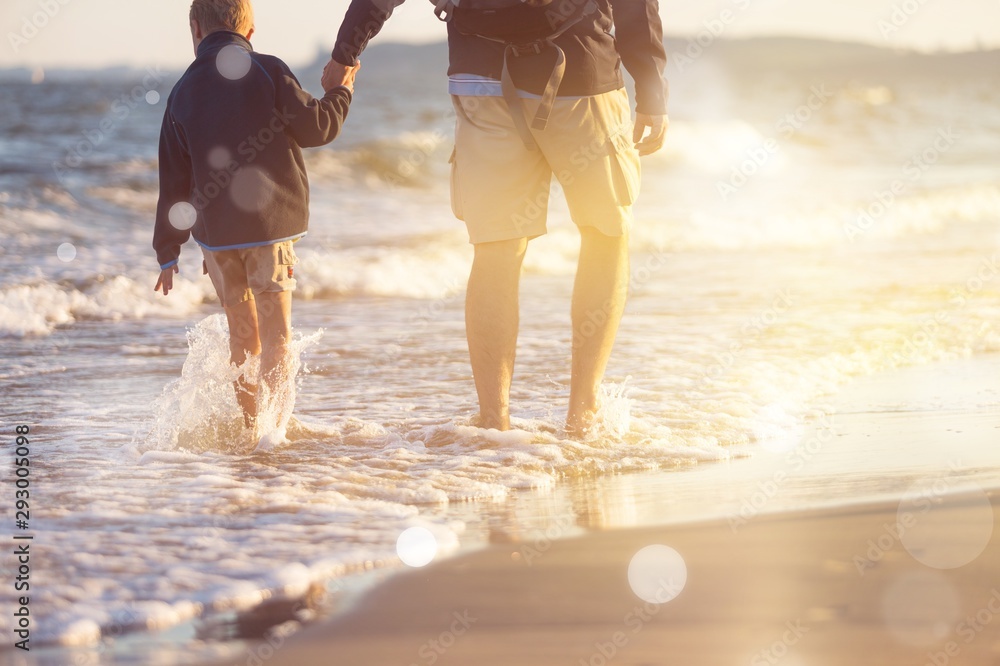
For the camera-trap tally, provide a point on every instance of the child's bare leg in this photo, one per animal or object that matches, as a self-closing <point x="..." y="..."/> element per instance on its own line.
<point x="274" y="317"/>
<point x="244" y="342"/>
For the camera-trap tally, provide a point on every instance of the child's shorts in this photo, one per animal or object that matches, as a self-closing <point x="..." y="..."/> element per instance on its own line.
<point x="238" y="275"/>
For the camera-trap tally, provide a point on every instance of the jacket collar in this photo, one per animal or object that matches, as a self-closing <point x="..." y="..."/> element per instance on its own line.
<point x="220" y="39"/>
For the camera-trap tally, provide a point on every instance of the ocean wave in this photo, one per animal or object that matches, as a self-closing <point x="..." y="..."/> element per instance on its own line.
<point x="432" y="272"/>
<point x="762" y="223"/>
<point x="40" y="309"/>
<point x="408" y="160"/>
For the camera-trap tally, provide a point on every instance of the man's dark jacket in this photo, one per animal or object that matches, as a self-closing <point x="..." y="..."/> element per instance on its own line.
<point x="593" y="56"/>
<point x="231" y="147"/>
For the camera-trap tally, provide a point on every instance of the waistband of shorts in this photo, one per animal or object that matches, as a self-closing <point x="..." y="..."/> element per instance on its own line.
<point x="244" y="246"/>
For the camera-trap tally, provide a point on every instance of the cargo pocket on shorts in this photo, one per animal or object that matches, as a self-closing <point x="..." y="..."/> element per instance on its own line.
<point x="456" y="190"/>
<point x="286" y="260"/>
<point x="626" y="171"/>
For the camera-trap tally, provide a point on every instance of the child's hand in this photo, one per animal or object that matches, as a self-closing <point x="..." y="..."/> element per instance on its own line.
<point x="166" y="280"/>
<point x="335" y="74"/>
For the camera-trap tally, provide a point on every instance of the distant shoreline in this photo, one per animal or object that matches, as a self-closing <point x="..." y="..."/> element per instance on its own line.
<point x="674" y="44"/>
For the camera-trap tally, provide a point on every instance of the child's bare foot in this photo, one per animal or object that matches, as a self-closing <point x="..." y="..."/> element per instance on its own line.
<point x="272" y="440"/>
<point x="246" y="398"/>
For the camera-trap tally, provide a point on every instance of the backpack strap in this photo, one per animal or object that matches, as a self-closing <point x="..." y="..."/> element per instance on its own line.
<point x="549" y="95"/>
<point x="444" y="9"/>
<point x="514" y="102"/>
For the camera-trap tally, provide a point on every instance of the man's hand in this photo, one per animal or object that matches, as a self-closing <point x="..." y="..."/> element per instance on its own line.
<point x="335" y="74"/>
<point x="166" y="280"/>
<point x="657" y="132"/>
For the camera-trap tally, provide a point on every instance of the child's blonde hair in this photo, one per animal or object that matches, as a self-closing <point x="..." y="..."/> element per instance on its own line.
<point x="213" y="15"/>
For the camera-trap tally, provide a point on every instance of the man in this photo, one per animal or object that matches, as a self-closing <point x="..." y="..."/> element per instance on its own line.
<point x="564" y="80"/>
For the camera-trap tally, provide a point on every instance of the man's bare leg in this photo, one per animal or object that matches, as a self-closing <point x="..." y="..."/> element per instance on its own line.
<point x="599" y="296"/>
<point x="244" y="343"/>
<point x="491" y="322"/>
<point x="274" y="317"/>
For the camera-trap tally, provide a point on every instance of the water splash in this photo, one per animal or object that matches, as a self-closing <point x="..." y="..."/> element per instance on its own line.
<point x="614" y="417"/>
<point x="198" y="411"/>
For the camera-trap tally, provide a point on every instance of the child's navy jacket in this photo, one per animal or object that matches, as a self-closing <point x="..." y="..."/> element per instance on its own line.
<point x="231" y="167"/>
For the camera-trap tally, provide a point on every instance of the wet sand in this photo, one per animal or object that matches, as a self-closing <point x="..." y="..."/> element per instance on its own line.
<point x="784" y="589"/>
<point x="881" y="582"/>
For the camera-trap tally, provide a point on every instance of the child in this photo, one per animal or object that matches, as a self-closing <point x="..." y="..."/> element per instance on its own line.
<point x="232" y="175"/>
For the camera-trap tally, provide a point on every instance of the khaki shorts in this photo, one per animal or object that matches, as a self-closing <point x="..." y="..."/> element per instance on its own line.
<point x="239" y="274"/>
<point x="501" y="189"/>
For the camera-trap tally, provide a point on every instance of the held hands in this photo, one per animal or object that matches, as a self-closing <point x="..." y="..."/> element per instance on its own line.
<point x="166" y="280"/>
<point x="657" y="132"/>
<point x="335" y="74"/>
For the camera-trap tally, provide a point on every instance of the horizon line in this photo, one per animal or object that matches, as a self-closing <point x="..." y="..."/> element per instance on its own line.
<point x="321" y="49"/>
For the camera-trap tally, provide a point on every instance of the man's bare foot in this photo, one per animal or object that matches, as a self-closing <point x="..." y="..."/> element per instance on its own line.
<point x="495" y="422"/>
<point x="581" y="423"/>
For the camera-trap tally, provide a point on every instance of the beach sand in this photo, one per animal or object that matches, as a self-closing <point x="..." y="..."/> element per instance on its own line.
<point x="784" y="589"/>
<point x="879" y="582"/>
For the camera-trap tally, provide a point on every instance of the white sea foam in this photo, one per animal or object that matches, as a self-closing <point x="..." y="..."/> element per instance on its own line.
<point x="198" y="411"/>
<point x="430" y="272"/>
<point x="41" y="308"/>
<point x="248" y="531"/>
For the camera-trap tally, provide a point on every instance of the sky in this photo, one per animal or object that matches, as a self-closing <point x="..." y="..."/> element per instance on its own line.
<point x="97" y="33"/>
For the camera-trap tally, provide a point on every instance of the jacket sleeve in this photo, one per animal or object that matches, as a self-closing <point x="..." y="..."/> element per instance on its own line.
<point x="312" y="122"/>
<point x="364" y="20"/>
<point x="175" y="187"/>
<point x="639" y="36"/>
